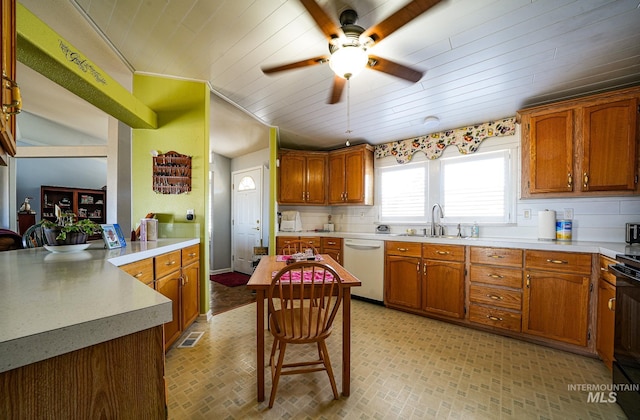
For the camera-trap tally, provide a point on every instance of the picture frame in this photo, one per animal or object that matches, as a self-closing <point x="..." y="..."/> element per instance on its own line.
<point x="110" y="236"/>
<point x="121" y="238"/>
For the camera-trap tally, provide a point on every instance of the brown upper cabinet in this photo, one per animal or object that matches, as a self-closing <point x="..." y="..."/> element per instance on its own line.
<point x="302" y="177"/>
<point x="338" y="177"/>
<point x="351" y="175"/>
<point x="10" y="93"/>
<point x="582" y="147"/>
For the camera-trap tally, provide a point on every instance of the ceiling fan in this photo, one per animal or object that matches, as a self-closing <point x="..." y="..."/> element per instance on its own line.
<point x="349" y="42"/>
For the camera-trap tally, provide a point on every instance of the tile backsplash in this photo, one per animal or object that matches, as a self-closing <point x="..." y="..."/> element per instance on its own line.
<point x="594" y="219"/>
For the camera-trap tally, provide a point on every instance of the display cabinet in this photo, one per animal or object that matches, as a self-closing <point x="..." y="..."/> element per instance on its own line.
<point x="84" y="203"/>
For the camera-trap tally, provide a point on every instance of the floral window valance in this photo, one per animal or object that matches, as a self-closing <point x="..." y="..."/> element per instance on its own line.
<point x="466" y="139"/>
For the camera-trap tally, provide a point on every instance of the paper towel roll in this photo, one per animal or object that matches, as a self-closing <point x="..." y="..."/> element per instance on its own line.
<point x="547" y="225"/>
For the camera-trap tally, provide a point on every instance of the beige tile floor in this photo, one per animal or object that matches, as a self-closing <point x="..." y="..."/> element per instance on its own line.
<point x="403" y="367"/>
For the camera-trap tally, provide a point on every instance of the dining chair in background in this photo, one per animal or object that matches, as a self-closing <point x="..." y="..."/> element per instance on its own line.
<point x="33" y="237"/>
<point x="294" y="247"/>
<point x="303" y="301"/>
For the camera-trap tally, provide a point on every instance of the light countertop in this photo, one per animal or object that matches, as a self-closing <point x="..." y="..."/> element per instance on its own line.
<point x="609" y="249"/>
<point x="54" y="303"/>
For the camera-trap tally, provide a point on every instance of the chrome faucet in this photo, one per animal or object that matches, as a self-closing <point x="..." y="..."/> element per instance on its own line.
<point x="436" y="228"/>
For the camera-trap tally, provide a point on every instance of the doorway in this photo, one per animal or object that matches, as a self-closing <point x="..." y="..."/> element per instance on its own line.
<point x="246" y="222"/>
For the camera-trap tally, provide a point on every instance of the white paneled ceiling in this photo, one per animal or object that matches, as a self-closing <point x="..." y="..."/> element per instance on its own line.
<point x="482" y="59"/>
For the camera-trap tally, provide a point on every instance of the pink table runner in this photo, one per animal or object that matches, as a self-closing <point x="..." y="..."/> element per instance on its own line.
<point x="283" y="258"/>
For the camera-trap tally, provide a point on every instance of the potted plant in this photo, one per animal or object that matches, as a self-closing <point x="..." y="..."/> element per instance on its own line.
<point x="67" y="231"/>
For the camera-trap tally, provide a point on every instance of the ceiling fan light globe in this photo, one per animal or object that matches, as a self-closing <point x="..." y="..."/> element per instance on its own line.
<point x="348" y="61"/>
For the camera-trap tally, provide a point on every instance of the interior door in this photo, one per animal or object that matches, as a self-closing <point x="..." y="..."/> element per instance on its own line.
<point x="246" y="222"/>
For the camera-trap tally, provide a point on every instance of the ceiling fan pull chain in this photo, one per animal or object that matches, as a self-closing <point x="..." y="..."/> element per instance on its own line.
<point x="348" y="143"/>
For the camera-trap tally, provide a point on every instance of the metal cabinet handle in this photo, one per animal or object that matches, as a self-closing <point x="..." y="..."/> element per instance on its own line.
<point x="496" y="256"/>
<point x="331" y="243"/>
<point x="138" y="275"/>
<point x="495" y="276"/>
<point x="442" y="252"/>
<point x="528" y="280"/>
<point x="16" y="97"/>
<point x="192" y="254"/>
<point x="170" y="263"/>
<point x="495" y="297"/>
<point x="585" y="180"/>
<point x="494" y="318"/>
<point x="402" y="249"/>
<point x="425" y="269"/>
<point x="569" y="180"/>
<point x="612" y="304"/>
<point x="557" y="261"/>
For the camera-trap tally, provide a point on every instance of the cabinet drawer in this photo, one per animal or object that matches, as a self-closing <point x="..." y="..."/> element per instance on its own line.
<point x="496" y="256"/>
<point x="167" y="263"/>
<point x="412" y="249"/>
<point x="190" y="254"/>
<point x="331" y="243"/>
<point x="500" y="276"/>
<point x="313" y="240"/>
<point x="142" y="270"/>
<point x="605" y="273"/>
<point x="443" y="252"/>
<point x="509" y="299"/>
<point x="495" y="317"/>
<point x="559" y="261"/>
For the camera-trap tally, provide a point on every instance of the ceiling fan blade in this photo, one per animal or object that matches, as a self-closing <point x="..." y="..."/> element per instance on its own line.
<point x="394" y="69"/>
<point x="296" y="65"/>
<point x="324" y="22"/>
<point x="400" y="18"/>
<point x="336" y="91"/>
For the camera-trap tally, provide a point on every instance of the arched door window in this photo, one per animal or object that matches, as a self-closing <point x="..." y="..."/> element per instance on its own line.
<point x="246" y="183"/>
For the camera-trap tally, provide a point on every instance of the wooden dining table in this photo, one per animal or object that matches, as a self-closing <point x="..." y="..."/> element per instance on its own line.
<point x="260" y="281"/>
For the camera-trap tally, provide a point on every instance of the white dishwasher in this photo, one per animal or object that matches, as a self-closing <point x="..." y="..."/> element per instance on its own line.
<point x="365" y="260"/>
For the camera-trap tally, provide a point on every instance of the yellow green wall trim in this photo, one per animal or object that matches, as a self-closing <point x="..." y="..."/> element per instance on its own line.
<point x="273" y="179"/>
<point x="183" y="109"/>
<point x="43" y="50"/>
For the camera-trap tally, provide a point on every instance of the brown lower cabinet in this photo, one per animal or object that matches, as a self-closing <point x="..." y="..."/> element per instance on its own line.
<point x="556" y="296"/>
<point x="538" y="296"/>
<point x="606" y="311"/>
<point x="176" y="275"/>
<point x="443" y="270"/>
<point x="425" y="278"/>
<point x="403" y="275"/>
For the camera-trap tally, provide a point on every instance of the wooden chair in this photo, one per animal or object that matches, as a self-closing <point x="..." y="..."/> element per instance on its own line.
<point x="303" y="301"/>
<point x="33" y="237"/>
<point x="294" y="247"/>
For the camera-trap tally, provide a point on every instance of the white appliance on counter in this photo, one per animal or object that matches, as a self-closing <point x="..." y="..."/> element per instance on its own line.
<point x="365" y="260"/>
<point x="290" y="221"/>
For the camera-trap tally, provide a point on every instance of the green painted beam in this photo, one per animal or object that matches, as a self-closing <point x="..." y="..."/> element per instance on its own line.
<point x="42" y="49"/>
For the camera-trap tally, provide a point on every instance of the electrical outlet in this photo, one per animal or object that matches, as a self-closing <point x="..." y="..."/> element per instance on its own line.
<point x="568" y="213"/>
<point x="527" y="214"/>
<point x="190" y="214"/>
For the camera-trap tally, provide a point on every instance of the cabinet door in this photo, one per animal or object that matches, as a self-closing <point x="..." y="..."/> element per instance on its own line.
<point x="316" y="181"/>
<point x="190" y="294"/>
<point x="169" y="286"/>
<point x="606" y="321"/>
<point x="609" y="147"/>
<point x="403" y="280"/>
<point x="8" y="53"/>
<point x="354" y="177"/>
<point x="556" y="306"/>
<point x="551" y="152"/>
<point x="291" y="178"/>
<point x="444" y="288"/>
<point x="337" y="178"/>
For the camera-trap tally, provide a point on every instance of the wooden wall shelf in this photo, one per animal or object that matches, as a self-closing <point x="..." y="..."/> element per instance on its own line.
<point x="171" y="173"/>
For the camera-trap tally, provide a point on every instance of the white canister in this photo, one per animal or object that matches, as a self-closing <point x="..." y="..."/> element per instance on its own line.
<point x="563" y="230"/>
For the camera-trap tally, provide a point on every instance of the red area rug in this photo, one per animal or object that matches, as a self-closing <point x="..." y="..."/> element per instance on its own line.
<point x="233" y="279"/>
